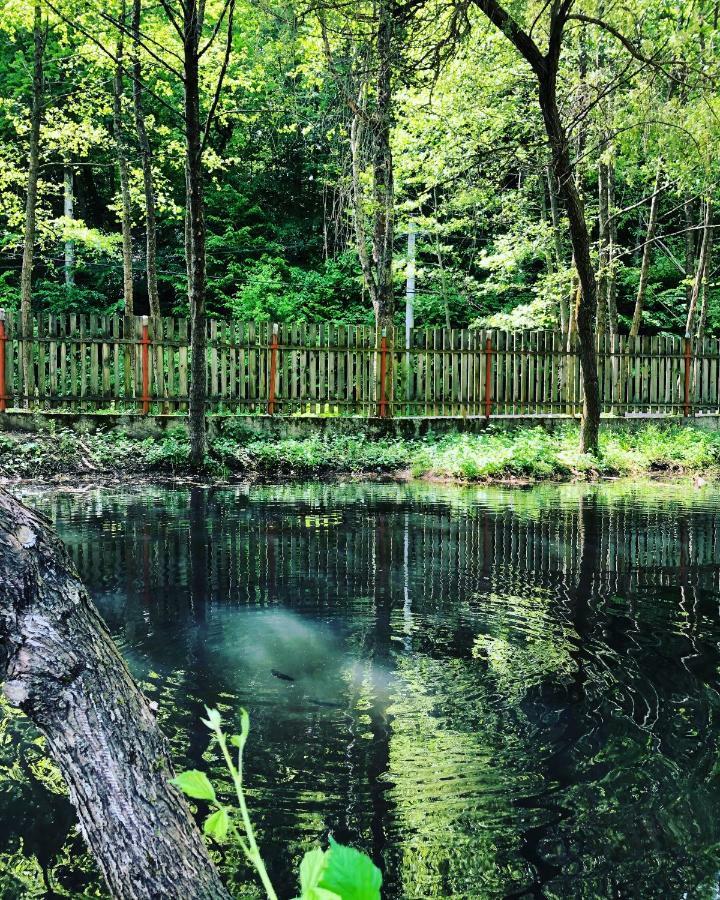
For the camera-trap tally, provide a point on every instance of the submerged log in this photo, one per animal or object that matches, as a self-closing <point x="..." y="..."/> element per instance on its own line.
<point x="61" y="667"/>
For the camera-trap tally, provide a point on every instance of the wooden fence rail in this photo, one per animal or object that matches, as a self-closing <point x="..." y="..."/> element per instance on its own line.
<point x="88" y="363"/>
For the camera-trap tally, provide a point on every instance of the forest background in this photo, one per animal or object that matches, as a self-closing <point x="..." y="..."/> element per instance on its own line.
<point x="291" y="182"/>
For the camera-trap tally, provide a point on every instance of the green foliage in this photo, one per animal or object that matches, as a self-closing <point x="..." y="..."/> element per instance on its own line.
<point x="469" y="155"/>
<point x="494" y="453"/>
<point x="339" y="873"/>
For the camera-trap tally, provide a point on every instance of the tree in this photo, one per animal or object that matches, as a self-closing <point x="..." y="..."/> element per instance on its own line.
<point x="647" y="252"/>
<point x="545" y="68"/>
<point x="190" y="28"/>
<point x="60" y="666"/>
<point x="366" y="83"/>
<point x="146" y="163"/>
<point x="36" y="114"/>
<point x="125" y="214"/>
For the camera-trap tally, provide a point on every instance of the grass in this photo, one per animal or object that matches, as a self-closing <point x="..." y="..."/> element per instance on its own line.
<point x="495" y="454"/>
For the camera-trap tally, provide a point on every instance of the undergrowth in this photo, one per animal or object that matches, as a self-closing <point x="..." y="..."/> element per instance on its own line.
<point x="528" y="453"/>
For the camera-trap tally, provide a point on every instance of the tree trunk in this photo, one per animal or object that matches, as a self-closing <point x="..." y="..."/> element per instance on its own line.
<point x="150" y="205"/>
<point x="31" y="203"/>
<point x="647" y="253"/>
<point x="701" y="267"/>
<point x="146" y="162"/>
<point x="580" y="239"/>
<point x="604" y="246"/>
<point x="196" y="235"/>
<point x="61" y="667"/>
<point x="383" y="177"/>
<point x="69" y="214"/>
<point x="689" y="248"/>
<point x="612" y="313"/>
<point x="125" y="216"/>
<point x="555" y="217"/>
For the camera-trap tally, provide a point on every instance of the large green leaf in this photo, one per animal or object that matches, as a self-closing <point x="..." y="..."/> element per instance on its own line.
<point x="350" y="874"/>
<point x="194" y="784"/>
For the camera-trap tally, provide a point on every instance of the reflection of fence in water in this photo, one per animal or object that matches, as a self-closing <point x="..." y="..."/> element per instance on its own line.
<point x="198" y="548"/>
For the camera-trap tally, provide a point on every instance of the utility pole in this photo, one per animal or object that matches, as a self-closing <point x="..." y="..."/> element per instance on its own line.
<point x="410" y="284"/>
<point x="409" y="304"/>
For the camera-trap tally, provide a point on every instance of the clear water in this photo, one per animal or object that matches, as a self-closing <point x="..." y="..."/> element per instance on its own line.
<point x="497" y="693"/>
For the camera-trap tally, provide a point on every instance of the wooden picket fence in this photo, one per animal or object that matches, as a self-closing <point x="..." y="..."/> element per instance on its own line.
<point x="87" y="363"/>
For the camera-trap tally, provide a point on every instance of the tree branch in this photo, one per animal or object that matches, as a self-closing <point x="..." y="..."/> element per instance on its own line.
<point x="522" y="41"/>
<point x="230" y="5"/>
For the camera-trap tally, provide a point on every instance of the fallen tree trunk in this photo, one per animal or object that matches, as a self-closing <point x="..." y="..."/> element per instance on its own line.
<point x="61" y="667"/>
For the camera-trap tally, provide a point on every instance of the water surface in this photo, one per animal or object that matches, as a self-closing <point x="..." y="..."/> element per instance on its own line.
<point x="496" y="693"/>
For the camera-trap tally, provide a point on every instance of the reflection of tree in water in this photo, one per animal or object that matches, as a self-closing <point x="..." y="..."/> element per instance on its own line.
<point x="545" y="720"/>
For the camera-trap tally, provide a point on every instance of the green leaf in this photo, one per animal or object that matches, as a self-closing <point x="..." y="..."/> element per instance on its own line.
<point x="239" y="740"/>
<point x="311" y="869"/>
<point x="194" y="784"/>
<point x="213" y="719"/>
<point x="350" y="874"/>
<point x="217" y="824"/>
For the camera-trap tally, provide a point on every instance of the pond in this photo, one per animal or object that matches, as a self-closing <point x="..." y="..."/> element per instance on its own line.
<point x="494" y="692"/>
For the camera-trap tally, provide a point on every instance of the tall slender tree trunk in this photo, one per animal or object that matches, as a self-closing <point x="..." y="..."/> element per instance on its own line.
<point x="36" y="113"/>
<point x="69" y="214"/>
<point x="150" y="203"/>
<point x="120" y="150"/>
<point x="555" y="217"/>
<point x="580" y="239"/>
<point x="647" y="254"/>
<point x="383" y="176"/>
<point x="196" y="236"/>
<point x="60" y="666"/>
<point x="689" y="248"/>
<point x="604" y="246"/>
<point x="611" y="287"/>
<point x="146" y="162"/>
<point x="701" y="267"/>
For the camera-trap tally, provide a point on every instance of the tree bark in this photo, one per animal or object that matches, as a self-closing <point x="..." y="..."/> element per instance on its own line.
<point x="647" y="254"/>
<point x="196" y="236"/>
<point x="31" y="202"/>
<point x="61" y="667"/>
<point x="125" y="215"/>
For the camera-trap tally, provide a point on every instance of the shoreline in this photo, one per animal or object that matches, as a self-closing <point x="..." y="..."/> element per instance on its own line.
<point x="515" y="458"/>
<point x="86" y="480"/>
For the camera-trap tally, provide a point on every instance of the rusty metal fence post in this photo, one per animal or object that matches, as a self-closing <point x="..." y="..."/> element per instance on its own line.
<point x="488" y="377"/>
<point x="688" y="367"/>
<point x="145" y="364"/>
<point x="382" y="401"/>
<point x="273" y="371"/>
